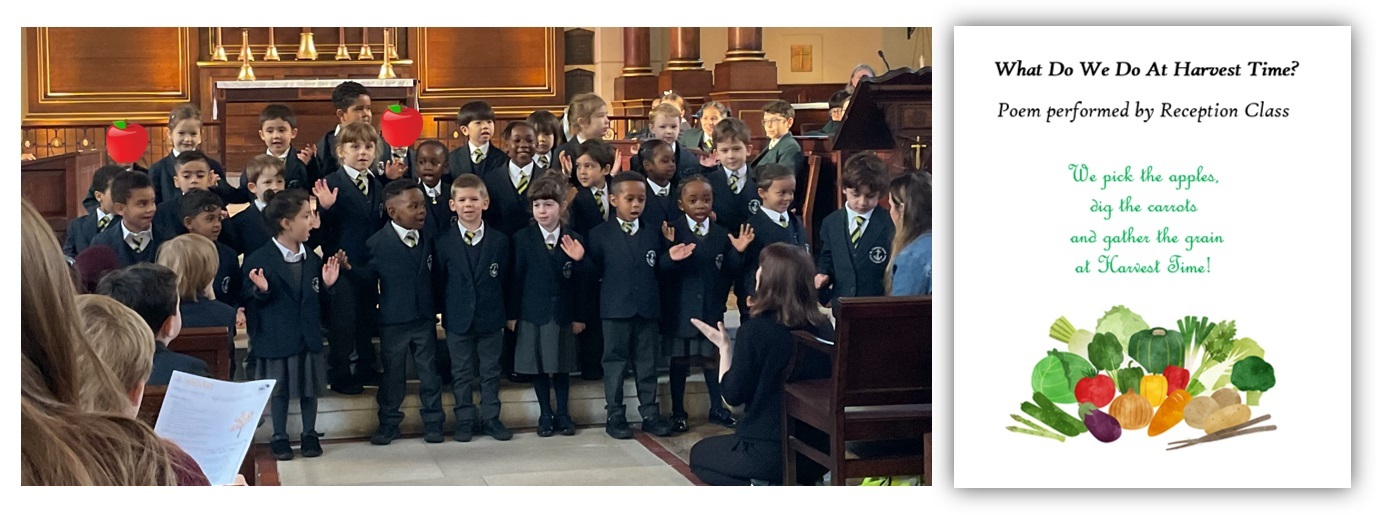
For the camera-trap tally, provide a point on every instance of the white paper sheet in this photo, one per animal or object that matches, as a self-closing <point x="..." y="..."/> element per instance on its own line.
<point x="213" y="421"/>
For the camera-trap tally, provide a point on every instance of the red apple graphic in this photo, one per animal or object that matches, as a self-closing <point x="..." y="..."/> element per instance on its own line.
<point x="401" y="126"/>
<point x="126" y="142"/>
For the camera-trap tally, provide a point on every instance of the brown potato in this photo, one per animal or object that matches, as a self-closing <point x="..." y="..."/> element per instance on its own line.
<point x="1226" y="397"/>
<point x="1228" y="416"/>
<point x="1197" y="411"/>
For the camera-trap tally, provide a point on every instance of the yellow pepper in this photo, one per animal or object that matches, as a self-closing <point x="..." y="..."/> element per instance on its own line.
<point x="1154" y="388"/>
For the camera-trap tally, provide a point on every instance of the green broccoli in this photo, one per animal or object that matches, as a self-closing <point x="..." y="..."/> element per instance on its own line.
<point x="1253" y="376"/>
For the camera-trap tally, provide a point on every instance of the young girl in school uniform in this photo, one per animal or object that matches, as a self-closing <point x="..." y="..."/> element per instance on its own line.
<point x="542" y="302"/>
<point x="283" y="288"/>
<point x="588" y="116"/>
<point x="184" y="133"/>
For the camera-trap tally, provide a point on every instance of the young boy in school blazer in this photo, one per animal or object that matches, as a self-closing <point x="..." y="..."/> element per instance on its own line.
<point x="472" y="265"/>
<point x="193" y="173"/>
<point x="246" y="231"/>
<point x="735" y="192"/>
<point x="626" y="254"/>
<point x="548" y="137"/>
<point x="200" y="213"/>
<point x="399" y="264"/>
<point x="479" y="157"/>
<point x="82" y="229"/>
<point x="184" y="133"/>
<point x="353" y="104"/>
<point x="772" y="224"/>
<point x="277" y="129"/>
<point x="590" y="208"/>
<point x="508" y="180"/>
<point x="431" y="160"/>
<point x="854" y="241"/>
<point x="659" y="162"/>
<point x="134" y="239"/>
<point x="350" y="201"/>
<point x="665" y="126"/>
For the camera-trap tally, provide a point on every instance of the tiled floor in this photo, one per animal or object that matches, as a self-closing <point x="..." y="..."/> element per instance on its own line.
<point x="589" y="458"/>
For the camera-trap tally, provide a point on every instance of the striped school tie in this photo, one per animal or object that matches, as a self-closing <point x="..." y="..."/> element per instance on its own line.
<point x="469" y="238"/>
<point x="544" y="160"/>
<point x="103" y="223"/>
<point x="361" y="183"/>
<point x="410" y="239"/>
<point x="732" y="183"/>
<point x="627" y="228"/>
<point x="550" y="246"/>
<point x="699" y="229"/>
<point x="856" y="231"/>
<point x="522" y="182"/>
<point x="478" y="156"/>
<point x="598" y="199"/>
<point x="708" y="141"/>
<point x="783" y="221"/>
<point x="136" y="242"/>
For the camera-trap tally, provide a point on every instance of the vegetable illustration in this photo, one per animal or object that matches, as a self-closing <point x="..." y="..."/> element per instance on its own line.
<point x="1105" y="352"/>
<point x="1156" y="348"/>
<point x="1097" y="390"/>
<point x="1102" y="426"/>
<point x="1177" y="378"/>
<point x="1154" y="388"/>
<point x="1226" y="397"/>
<point x="1228" y="416"/>
<point x="1254" y="376"/>
<point x="1121" y="322"/>
<point x="1131" y="410"/>
<point x="1045" y="411"/>
<point x="1197" y="411"/>
<point x="1077" y="339"/>
<point x="1034" y="429"/>
<point x="1170" y="413"/>
<point x="1057" y="375"/>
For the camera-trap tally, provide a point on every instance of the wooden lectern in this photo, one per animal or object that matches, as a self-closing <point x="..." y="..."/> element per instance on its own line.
<point x="893" y="115"/>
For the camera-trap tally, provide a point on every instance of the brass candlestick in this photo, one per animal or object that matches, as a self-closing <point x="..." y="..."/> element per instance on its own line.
<point x="342" y="53"/>
<point x="386" y="71"/>
<point x="306" y="46"/>
<point x="272" y="53"/>
<point x="246" y="72"/>
<point x="392" y="49"/>
<point x="219" y="53"/>
<point x="366" y="53"/>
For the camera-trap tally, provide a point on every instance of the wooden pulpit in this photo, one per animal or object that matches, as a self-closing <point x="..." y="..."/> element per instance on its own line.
<point x="893" y="115"/>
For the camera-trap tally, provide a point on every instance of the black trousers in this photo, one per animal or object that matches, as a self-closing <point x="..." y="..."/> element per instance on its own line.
<point x="636" y="340"/>
<point x="590" y="357"/>
<point x="465" y="350"/>
<point x="731" y="461"/>
<point x="353" y="312"/>
<point x="418" y="339"/>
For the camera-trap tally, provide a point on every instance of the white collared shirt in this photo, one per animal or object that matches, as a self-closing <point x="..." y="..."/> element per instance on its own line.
<point x="102" y="214"/>
<point x="693" y="223"/>
<point x="146" y="234"/>
<point x="289" y="255"/>
<point x="478" y="233"/>
<point x="550" y="158"/>
<point x="402" y="232"/>
<point x="657" y="190"/>
<point x="282" y="157"/>
<point x="550" y="237"/>
<point x="484" y="150"/>
<point x="775" y="216"/>
<point x="430" y="192"/>
<point x="579" y="139"/>
<point x="741" y="177"/>
<point x="337" y="129"/>
<point x="636" y="224"/>
<point x="176" y="152"/>
<point x="515" y="172"/>
<point x="260" y="204"/>
<point x="852" y="219"/>
<point x="354" y="174"/>
<point x="772" y="145"/>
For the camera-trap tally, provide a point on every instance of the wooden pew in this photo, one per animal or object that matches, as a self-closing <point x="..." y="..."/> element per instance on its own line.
<point x="876" y="408"/>
<point x="209" y="344"/>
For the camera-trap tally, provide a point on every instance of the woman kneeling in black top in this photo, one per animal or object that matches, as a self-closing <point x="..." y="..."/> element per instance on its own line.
<point x="753" y="372"/>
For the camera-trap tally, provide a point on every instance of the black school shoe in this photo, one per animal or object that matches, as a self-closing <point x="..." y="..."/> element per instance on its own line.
<point x="433" y="435"/>
<point x="679" y="423"/>
<point x="385" y="435"/>
<point x="496" y="429"/>
<point x="464" y="431"/>
<point x="544" y="426"/>
<point x="617" y="427"/>
<point x="367" y="377"/>
<point x="564" y="425"/>
<point x="657" y="425"/>
<point x="311" y="446"/>
<point x="347" y="387"/>
<point x="281" y="449"/>
<point x="723" y="417"/>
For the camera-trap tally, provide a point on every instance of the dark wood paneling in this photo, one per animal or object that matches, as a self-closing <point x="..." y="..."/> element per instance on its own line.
<point x="90" y="74"/>
<point x="56" y="185"/>
<point x="803" y="93"/>
<point x="513" y="69"/>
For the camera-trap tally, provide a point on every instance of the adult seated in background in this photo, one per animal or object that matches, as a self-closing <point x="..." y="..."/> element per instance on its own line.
<point x="912" y="205"/>
<point x="60" y="443"/>
<point x="193" y="258"/>
<point x="151" y="291"/>
<point x="837" y="107"/>
<point x="861" y="71"/>
<point x="753" y="373"/>
<point x="94" y="263"/>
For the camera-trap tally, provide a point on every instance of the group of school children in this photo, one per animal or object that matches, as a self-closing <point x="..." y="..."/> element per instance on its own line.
<point x="540" y="260"/>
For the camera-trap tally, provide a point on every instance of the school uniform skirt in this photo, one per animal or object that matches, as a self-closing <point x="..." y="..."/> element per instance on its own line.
<point x="303" y="375"/>
<point x="698" y="346"/>
<point x="546" y="349"/>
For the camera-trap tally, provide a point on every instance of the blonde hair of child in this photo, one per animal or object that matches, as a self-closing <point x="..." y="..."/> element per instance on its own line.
<point x="194" y="259"/>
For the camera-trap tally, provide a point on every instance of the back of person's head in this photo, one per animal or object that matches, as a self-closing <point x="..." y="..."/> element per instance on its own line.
<point x="195" y="202"/>
<point x="470" y="180"/>
<point x="647" y="149"/>
<point x="279" y="112"/>
<point x="911" y="196"/>
<point x="730" y="130"/>
<point x="552" y="185"/>
<point x="61" y="444"/>
<point x="124" y="345"/>
<point x="514" y="125"/>
<point x="346" y="93"/>
<point x="835" y="101"/>
<point x="670" y="96"/>
<point x="260" y="164"/>
<point x="545" y="123"/>
<point x="284" y="205"/>
<point x="582" y="108"/>
<point x="476" y="111"/>
<point x="149" y="289"/>
<point x="93" y="263"/>
<point x="771" y="172"/>
<point x="194" y="259"/>
<point x="598" y="150"/>
<point x="779" y="107"/>
<point x="100" y="181"/>
<point x="183" y="113"/>
<point x="865" y="173"/>
<point x="665" y="110"/>
<point x="624" y="178"/>
<point x="786" y="287"/>
<point x="357" y="132"/>
<point x="126" y="182"/>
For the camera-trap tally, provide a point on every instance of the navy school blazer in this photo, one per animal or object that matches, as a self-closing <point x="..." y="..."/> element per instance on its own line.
<point x="733" y="209"/>
<point x="855" y="271"/>
<point x="81" y="231"/>
<point x="700" y="289"/>
<point x="246" y="231"/>
<point x="472" y="298"/>
<point x="438" y="213"/>
<point x="113" y="237"/>
<point x="402" y="274"/>
<point x="227" y="276"/>
<point x="584" y="210"/>
<point x="767" y="232"/>
<point x="628" y="267"/>
<point x="286" y="319"/>
<point x="507" y="211"/>
<point x="461" y="162"/>
<point x="325" y="162"/>
<point x="353" y="218"/>
<point x="546" y="284"/>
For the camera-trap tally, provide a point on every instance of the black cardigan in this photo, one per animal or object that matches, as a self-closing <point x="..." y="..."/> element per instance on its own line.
<point x="761" y="353"/>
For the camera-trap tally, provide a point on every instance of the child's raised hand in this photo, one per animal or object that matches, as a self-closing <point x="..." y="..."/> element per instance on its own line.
<point x="512" y="325"/>
<point x="307" y="153"/>
<point x="331" y="271"/>
<point x="325" y="195"/>
<point x="667" y="231"/>
<point x="343" y="259"/>
<point x="394" y="169"/>
<point x="820" y="280"/>
<point x="744" y="237"/>
<point x="260" y="282"/>
<point x="572" y="247"/>
<point x="577" y="327"/>
<point x="708" y="159"/>
<point x="681" y="251"/>
<point x="566" y="164"/>
<point x="617" y="162"/>
<point x="239" y="318"/>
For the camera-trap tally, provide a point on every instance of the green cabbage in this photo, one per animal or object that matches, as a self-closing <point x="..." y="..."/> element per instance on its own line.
<point x="1057" y="375"/>
<point x="1121" y="322"/>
